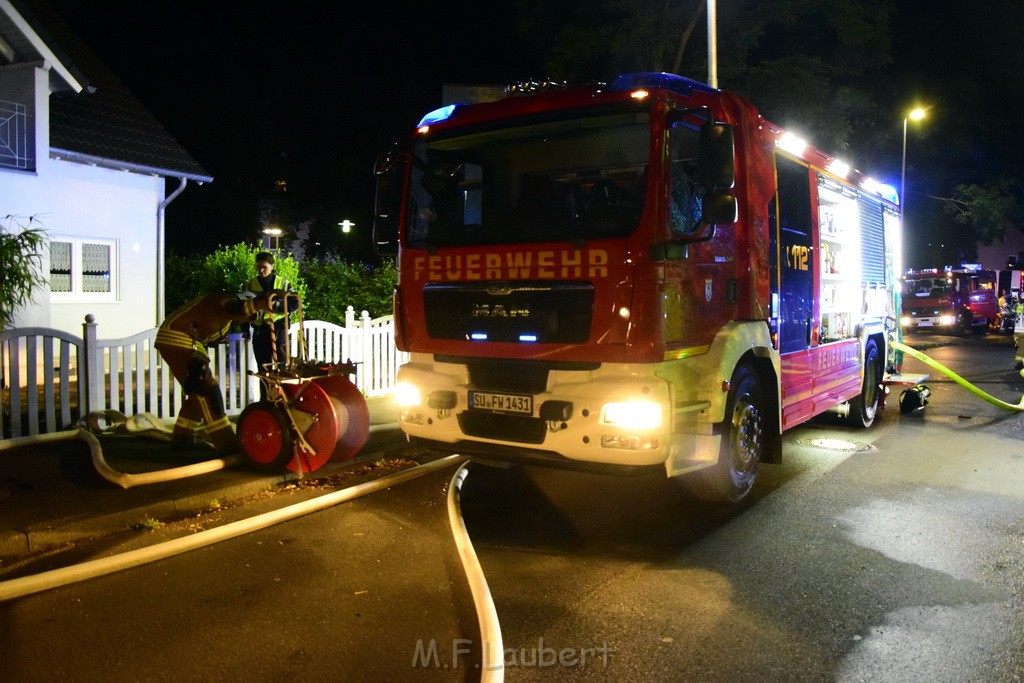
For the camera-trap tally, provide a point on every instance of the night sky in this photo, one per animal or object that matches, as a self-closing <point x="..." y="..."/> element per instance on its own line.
<point x="305" y="91"/>
<point x="313" y="91"/>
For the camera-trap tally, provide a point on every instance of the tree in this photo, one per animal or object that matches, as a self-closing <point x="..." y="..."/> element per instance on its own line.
<point x="986" y="210"/>
<point x="596" y="39"/>
<point x="801" y="61"/>
<point x="20" y="265"/>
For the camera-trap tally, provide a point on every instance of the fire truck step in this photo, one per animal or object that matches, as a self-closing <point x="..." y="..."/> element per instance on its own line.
<point x="904" y="379"/>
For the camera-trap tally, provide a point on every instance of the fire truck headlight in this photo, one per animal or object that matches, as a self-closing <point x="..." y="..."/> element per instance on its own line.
<point x="905" y="321"/>
<point x="947" y="319"/>
<point x="407" y="395"/>
<point x="632" y="415"/>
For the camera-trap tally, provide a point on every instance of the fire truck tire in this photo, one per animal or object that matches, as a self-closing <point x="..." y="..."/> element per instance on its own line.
<point x="864" y="408"/>
<point x="965" y="324"/>
<point x="744" y="440"/>
<point x="266" y="437"/>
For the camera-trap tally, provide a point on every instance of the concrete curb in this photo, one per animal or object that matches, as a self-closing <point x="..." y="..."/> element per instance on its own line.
<point x="80" y="527"/>
<point x="54" y="533"/>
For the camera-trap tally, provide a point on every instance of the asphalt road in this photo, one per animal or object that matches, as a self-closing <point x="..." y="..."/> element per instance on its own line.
<point x="903" y="561"/>
<point x="366" y="591"/>
<point x="899" y="557"/>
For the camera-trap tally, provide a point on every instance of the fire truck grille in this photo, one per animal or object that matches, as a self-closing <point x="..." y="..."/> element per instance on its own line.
<point x="505" y="427"/>
<point x="931" y="310"/>
<point x="522" y="311"/>
<point x="525" y="378"/>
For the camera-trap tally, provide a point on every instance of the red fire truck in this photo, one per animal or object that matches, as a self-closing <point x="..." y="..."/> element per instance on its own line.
<point x="643" y="273"/>
<point x="959" y="300"/>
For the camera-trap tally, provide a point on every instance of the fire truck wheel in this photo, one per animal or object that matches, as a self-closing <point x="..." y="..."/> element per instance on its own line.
<point x="266" y="437"/>
<point x="965" y="324"/>
<point x="743" y="443"/>
<point x="864" y="408"/>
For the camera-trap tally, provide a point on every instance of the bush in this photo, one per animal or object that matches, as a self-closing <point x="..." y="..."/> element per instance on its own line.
<point x="334" y="285"/>
<point x="20" y="262"/>
<point x="228" y="269"/>
<point x="328" y="286"/>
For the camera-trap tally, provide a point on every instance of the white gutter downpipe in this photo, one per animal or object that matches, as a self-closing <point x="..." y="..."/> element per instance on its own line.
<point x="160" y="250"/>
<point x="712" y="44"/>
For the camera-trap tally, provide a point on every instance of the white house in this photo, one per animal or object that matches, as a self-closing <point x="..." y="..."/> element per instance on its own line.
<point x="82" y="158"/>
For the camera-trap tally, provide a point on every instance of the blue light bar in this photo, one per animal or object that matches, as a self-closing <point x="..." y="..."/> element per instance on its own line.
<point x="478" y="336"/>
<point x="888" y="192"/>
<point x="658" y="79"/>
<point x="437" y="116"/>
<point x="527" y="337"/>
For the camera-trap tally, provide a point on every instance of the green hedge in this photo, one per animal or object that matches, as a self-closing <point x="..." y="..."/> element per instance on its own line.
<point x="327" y="286"/>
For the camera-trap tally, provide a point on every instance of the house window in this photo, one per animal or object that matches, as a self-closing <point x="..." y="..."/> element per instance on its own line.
<point x="15" y="149"/>
<point x="60" y="266"/>
<point x="83" y="269"/>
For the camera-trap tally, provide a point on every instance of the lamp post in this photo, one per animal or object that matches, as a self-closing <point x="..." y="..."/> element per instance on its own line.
<point x="276" y="234"/>
<point x="913" y="115"/>
<point x="712" y="12"/>
<point x="346" y="228"/>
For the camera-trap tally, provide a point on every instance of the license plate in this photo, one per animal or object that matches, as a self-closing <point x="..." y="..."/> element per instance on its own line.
<point x="502" y="403"/>
<point x="924" y="323"/>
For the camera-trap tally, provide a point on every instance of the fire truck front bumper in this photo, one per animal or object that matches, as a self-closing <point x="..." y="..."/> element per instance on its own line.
<point x="937" y="321"/>
<point x="617" y="414"/>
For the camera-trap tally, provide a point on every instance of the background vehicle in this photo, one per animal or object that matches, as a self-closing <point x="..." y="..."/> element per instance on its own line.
<point x="959" y="300"/>
<point x="639" y="274"/>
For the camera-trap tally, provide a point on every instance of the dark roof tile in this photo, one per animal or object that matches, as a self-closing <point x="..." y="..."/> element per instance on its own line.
<point x="106" y="120"/>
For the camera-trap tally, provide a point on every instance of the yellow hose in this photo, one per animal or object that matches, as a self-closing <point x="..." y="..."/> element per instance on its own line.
<point x="936" y="365"/>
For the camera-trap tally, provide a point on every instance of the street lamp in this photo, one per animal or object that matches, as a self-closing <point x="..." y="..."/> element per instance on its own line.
<point x="913" y="115"/>
<point x="346" y="228"/>
<point x="276" y="234"/>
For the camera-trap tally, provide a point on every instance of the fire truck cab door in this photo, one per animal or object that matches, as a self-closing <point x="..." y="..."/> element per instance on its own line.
<point x="793" y="264"/>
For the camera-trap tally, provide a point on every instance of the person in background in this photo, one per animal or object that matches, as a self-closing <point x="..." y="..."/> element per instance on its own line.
<point x="182" y="340"/>
<point x="268" y="328"/>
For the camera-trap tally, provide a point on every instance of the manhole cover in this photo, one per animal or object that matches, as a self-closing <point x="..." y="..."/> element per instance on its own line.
<point x="835" y="444"/>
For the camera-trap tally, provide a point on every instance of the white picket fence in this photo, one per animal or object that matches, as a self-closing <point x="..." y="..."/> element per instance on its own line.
<point x="50" y="378"/>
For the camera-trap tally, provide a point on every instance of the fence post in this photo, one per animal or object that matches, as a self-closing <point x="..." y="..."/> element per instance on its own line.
<point x="94" y="398"/>
<point x="366" y="339"/>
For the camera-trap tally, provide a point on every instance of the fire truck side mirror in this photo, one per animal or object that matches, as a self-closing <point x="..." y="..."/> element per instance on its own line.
<point x="718" y="208"/>
<point x="390" y="172"/>
<point x="717" y="177"/>
<point x="716" y="166"/>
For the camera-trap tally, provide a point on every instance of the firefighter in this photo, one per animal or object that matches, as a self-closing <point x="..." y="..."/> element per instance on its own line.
<point x="269" y="339"/>
<point x="182" y="340"/>
<point x="1018" y="332"/>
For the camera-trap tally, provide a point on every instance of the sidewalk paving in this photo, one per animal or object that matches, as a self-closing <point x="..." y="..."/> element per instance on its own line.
<point x="50" y="493"/>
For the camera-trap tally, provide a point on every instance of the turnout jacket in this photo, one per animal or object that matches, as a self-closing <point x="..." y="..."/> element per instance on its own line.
<point x="206" y="320"/>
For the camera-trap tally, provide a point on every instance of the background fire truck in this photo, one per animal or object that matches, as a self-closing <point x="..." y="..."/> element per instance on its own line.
<point x="632" y="275"/>
<point x="960" y="300"/>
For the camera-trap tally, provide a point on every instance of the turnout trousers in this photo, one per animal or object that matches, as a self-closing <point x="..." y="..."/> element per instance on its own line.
<point x="204" y="404"/>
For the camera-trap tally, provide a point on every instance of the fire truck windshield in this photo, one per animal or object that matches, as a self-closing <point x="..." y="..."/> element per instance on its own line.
<point x="930" y="287"/>
<point x="582" y="177"/>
